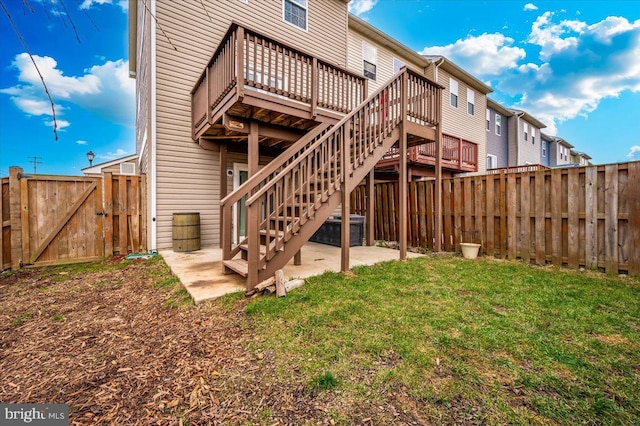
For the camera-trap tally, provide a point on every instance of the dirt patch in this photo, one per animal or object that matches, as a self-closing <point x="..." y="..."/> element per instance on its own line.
<point x="612" y="339"/>
<point x="106" y="341"/>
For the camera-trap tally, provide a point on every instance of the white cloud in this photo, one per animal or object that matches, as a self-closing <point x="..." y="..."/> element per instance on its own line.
<point x="112" y="155"/>
<point x="106" y="90"/>
<point x="81" y="142"/>
<point x="60" y="123"/>
<point x="485" y="55"/>
<point x="530" y="6"/>
<point x="58" y="84"/>
<point x="635" y="149"/>
<point x="358" y="7"/>
<point x="549" y="36"/>
<point x="88" y="4"/>
<point x="580" y="65"/>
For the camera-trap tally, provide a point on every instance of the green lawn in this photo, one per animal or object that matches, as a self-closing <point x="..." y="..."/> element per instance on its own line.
<point x="462" y="341"/>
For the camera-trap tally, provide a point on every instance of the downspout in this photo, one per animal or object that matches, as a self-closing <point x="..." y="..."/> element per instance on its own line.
<point x="153" y="141"/>
<point x="517" y="138"/>
<point x="436" y="65"/>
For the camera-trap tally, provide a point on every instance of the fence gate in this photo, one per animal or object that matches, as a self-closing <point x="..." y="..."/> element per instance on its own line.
<point x="61" y="219"/>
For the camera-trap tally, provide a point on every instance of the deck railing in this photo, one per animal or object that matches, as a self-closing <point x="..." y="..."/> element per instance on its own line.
<point x="517" y="169"/>
<point x="457" y="153"/>
<point x="272" y="66"/>
<point x="284" y="196"/>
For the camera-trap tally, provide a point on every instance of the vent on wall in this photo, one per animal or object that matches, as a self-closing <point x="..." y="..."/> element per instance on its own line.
<point x="127" y="168"/>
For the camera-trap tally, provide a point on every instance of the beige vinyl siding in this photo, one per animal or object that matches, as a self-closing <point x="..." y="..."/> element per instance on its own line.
<point x="234" y="157"/>
<point x="188" y="176"/>
<point x="143" y="81"/>
<point x="457" y="122"/>
<point x="529" y="152"/>
<point x="384" y="67"/>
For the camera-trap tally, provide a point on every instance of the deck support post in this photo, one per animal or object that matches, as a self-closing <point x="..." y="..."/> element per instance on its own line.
<point x="370" y="215"/>
<point x="345" y="226"/>
<point x="223" y="182"/>
<point x="253" y="148"/>
<point x="437" y="210"/>
<point x="297" y="258"/>
<point x="402" y="237"/>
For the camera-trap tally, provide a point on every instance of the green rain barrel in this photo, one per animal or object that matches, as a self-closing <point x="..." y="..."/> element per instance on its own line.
<point x="186" y="232"/>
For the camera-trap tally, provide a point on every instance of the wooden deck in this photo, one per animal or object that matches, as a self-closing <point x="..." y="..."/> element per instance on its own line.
<point x="458" y="155"/>
<point x="284" y="89"/>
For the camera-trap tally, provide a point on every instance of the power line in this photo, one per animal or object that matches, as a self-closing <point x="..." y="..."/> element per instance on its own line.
<point x="35" y="162"/>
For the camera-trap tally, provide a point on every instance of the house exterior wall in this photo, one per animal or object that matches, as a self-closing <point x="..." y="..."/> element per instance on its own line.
<point x="143" y="85"/>
<point x="384" y="66"/>
<point x="457" y="122"/>
<point x="560" y="154"/>
<point x="187" y="176"/>
<point x="498" y="145"/>
<point x="544" y="159"/>
<point x="523" y="151"/>
<point x="529" y="150"/>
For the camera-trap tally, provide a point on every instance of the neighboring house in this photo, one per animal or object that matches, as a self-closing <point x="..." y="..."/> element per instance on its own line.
<point x="378" y="57"/>
<point x="497" y="128"/>
<point x="221" y="103"/>
<point x="545" y="156"/>
<point x="120" y="166"/>
<point x="559" y="151"/>
<point x="525" y="142"/>
<point x="464" y="102"/>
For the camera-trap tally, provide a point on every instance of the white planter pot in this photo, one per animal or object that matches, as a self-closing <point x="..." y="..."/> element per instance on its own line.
<point x="470" y="250"/>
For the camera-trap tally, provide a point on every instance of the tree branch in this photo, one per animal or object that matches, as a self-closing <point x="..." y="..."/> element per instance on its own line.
<point x="15" y="28"/>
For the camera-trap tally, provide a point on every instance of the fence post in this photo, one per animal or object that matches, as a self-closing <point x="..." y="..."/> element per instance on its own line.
<point x="15" y="216"/>
<point x="108" y="213"/>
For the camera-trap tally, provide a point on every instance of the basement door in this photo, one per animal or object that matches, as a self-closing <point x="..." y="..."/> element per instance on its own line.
<point x="240" y="176"/>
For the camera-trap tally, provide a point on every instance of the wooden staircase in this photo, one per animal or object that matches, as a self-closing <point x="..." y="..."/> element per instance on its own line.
<point x="289" y="199"/>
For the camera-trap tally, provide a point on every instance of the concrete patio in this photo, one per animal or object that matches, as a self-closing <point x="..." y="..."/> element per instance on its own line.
<point x="201" y="271"/>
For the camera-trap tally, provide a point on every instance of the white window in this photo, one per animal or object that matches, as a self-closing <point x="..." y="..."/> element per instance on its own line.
<point x="453" y="92"/>
<point x="397" y="64"/>
<point x="544" y="149"/>
<point x="533" y="135"/>
<point x="370" y="60"/>
<point x="526" y="131"/>
<point x="492" y="161"/>
<point x="498" y="124"/>
<point x="471" y="101"/>
<point x="488" y="120"/>
<point x="295" y="13"/>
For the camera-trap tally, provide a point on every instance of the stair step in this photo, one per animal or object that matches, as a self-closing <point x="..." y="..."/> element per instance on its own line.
<point x="239" y="266"/>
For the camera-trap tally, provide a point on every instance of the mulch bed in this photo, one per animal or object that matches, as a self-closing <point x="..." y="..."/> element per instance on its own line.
<point x="104" y="342"/>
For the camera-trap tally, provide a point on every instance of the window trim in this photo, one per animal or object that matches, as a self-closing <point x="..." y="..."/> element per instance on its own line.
<point x="306" y="9"/>
<point x="375" y="64"/>
<point x="494" y="161"/>
<point x="454" y="82"/>
<point x="544" y="149"/>
<point x="471" y="101"/>
<point x="526" y="131"/>
<point x="498" y="126"/>
<point x="488" y="121"/>
<point x="393" y="64"/>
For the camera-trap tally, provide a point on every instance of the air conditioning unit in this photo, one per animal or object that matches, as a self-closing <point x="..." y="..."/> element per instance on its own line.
<point x="127" y="168"/>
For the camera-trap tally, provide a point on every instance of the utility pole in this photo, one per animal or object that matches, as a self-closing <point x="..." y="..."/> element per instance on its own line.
<point x="35" y="162"/>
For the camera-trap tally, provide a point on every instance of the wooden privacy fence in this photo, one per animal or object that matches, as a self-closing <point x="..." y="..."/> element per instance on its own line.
<point x="62" y="219"/>
<point x="580" y="216"/>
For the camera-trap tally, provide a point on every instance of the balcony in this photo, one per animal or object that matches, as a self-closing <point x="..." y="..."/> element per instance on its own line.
<point x="253" y="76"/>
<point x="457" y="155"/>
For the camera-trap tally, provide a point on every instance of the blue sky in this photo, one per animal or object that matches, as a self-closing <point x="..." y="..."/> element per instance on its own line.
<point x="574" y="65"/>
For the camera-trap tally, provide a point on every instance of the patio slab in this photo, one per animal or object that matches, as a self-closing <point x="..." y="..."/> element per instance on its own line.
<point x="201" y="271"/>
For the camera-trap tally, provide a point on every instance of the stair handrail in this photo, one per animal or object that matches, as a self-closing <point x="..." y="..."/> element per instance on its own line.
<point x="325" y="136"/>
<point x="290" y="153"/>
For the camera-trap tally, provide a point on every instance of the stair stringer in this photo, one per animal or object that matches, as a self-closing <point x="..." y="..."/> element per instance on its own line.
<point x="307" y="230"/>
